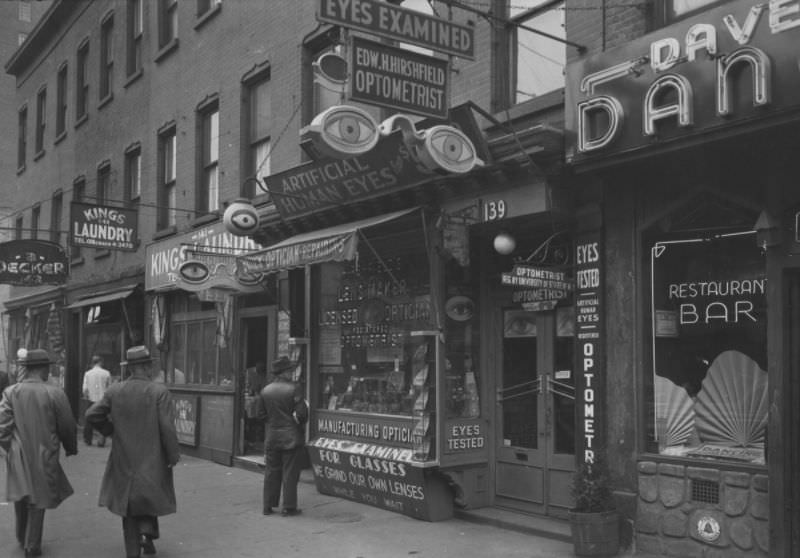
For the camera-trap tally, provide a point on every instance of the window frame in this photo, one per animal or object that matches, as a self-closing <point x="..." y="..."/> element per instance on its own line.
<point x="19" y="226"/>
<point x="62" y="84"/>
<point x="103" y="191"/>
<point x="82" y="82"/>
<point x="665" y="13"/>
<point x="41" y="120"/>
<point x="78" y="193"/>
<point x="251" y="138"/>
<point x="22" y="136"/>
<point x="134" y="152"/>
<point x="167" y="182"/>
<point x="36" y="216"/>
<point x="56" y="215"/>
<point x="208" y="157"/>
<point x="105" y="87"/>
<point x="134" y="37"/>
<point x="167" y="22"/>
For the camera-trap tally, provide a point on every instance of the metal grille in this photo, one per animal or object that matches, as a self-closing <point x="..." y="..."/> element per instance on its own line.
<point x="705" y="491"/>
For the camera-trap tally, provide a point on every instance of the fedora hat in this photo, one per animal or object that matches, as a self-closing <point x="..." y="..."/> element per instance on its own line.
<point x="282" y="365"/>
<point x="35" y="357"/>
<point x="136" y="355"/>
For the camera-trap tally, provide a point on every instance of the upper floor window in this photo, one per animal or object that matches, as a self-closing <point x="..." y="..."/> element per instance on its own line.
<point x="103" y="183"/>
<point x="167" y="183"/>
<point x="538" y="61"/>
<point x="106" y="57"/>
<point x="257" y="130"/>
<point x="22" y="136"/>
<point x="36" y="213"/>
<point x="24" y="11"/>
<point x="55" y="217"/>
<point x="167" y="22"/>
<point x="61" y="100"/>
<point x="205" y="6"/>
<point x="19" y="225"/>
<point x="135" y="30"/>
<point x="41" y="118"/>
<point x="208" y="192"/>
<point x="78" y="192"/>
<point x="678" y="9"/>
<point x="133" y="173"/>
<point x="82" y="81"/>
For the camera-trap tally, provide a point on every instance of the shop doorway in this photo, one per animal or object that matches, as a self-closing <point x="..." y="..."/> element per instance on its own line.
<point x="255" y="332"/>
<point x="535" y="450"/>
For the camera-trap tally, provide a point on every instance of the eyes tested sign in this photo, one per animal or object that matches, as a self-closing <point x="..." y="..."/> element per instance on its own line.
<point x="399" y="79"/>
<point x="400" y="24"/>
<point x="32" y="262"/>
<point x="100" y="226"/>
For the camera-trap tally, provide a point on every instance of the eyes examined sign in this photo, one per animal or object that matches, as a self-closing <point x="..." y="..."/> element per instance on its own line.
<point x="101" y="226"/>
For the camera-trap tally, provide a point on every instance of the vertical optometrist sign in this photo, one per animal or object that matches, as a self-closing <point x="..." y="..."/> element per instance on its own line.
<point x="590" y="340"/>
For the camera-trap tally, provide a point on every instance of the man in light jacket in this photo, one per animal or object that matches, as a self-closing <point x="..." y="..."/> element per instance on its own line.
<point x="282" y="406"/>
<point x="95" y="383"/>
<point x="35" y="420"/>
<point x="138" y="485"/>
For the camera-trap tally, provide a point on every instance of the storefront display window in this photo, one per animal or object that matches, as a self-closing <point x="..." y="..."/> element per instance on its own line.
<point x="709" y="369"/>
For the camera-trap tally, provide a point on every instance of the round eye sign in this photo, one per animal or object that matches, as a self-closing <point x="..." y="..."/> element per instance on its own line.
<point x="240" y="218"/>
<point x="708" y="528"/>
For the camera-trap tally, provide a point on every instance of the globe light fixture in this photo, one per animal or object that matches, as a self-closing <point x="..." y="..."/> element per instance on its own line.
<point x="504" y="243"/>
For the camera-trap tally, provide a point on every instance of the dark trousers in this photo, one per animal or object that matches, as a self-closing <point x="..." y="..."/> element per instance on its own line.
<point x="30" y="524"/>
<point x="133" y="527"/>
<point x="282" y="468"/>
<point x="88" y="432"/>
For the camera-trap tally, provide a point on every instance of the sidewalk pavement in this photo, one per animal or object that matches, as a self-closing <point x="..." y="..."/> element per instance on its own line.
<point x="219" y="516"/>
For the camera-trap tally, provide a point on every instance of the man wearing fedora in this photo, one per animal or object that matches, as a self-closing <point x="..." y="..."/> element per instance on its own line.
<point x="35" y="420"/>
<point x="138" y="485"/>
<point x="282" y="406"/>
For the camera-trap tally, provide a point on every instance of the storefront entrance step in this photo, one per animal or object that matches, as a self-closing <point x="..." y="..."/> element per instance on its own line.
<point x="540" y="526"/>
<point x="255" y="463"/>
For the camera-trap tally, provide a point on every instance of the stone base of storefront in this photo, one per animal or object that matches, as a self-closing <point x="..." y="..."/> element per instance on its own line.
<point x="691" y="511"/>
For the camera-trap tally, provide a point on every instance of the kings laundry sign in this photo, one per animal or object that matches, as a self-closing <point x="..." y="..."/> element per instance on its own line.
<point x="101" y="226"/>
<point x="703" y="77"/>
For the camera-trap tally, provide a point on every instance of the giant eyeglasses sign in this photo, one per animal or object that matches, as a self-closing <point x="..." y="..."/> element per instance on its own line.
<point x="33" y="262"/>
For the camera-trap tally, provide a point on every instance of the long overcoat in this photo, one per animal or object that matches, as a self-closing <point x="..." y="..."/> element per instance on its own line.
<point x="35" y="421"/>
<point x="138" y="414"/>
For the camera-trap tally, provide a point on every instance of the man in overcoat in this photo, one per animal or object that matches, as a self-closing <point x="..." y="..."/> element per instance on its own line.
<point x="282" y="406"/>
<point x="35" y="421"/>
<point x="138" y="485"/>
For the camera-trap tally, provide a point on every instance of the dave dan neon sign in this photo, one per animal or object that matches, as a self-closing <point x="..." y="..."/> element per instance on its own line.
<point x="725" y="68"/>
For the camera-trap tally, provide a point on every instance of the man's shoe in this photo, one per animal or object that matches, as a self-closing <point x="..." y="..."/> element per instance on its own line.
<point x="147" y="545"/>
<point x="267" y="511"/>
<point x="288" y="512"/>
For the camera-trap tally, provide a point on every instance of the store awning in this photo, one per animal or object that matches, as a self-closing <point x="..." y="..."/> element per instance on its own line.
<point x="336" y="243"/>
<point x="100" y="299"/>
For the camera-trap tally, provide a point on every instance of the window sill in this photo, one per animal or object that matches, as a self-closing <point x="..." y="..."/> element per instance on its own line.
<point x="99" y="254"/>
<point x="60" y="137"/>
<point x="166" y="49"/>
<point x="163" y="233"/>
<point x="203" y="18"/>
<point x="81" y="121"/>
<point x="20" y="170"/>
<point x="39" y="154"/>
<point x="205" y="219"/>
<point x="105" y="100"/>
<point x="133" y="77"/>
<point x="77" y="260"/>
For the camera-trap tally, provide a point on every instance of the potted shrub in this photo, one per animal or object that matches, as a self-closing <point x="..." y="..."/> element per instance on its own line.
<point x="594" y="519"/>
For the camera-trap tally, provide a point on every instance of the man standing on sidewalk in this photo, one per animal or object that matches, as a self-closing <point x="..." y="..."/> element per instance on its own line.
<point x="138" y="483"/>
<point x="35" y="419"/>
<point x="282" y="405"/>
<point x="95" y="384"/>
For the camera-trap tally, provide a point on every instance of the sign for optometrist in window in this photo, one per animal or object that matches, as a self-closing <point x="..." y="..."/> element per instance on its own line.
<point x="400" y="24"/>
<point x="399" y="79"/>
<point x="718" y="73"/>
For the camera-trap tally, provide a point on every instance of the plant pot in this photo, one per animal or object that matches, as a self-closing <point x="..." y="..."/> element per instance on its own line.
<point x="595" y="533"/>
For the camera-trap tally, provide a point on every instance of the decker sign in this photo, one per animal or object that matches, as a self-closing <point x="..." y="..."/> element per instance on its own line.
<point x="703" y="77"/>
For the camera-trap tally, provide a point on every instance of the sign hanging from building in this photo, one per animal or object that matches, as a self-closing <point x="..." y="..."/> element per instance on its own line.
<point x="400" y="24"/>
<point x="398" y="79"/>
<point x="29" y="263"/>
<point x="102" y="226"/>
<point x="721" y="72"/>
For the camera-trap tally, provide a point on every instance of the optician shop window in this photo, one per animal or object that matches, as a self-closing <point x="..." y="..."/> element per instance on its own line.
<point x="708" y="395"/>
<point x="370" y="358"/>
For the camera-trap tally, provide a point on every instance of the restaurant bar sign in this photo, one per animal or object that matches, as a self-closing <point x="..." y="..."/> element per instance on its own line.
<point x="714" y="73"/>
<point x="29" y="263"/>
<point x="399" y="79"/>
<point x="400" y="24"/>
<point x="544" y="286"/>
<point x="101" y="226"/>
